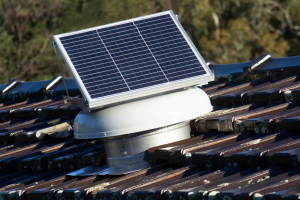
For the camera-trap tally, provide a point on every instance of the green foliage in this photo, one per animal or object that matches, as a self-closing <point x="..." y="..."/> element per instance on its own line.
<point x="26" y="30"/>
<point x="223" y="31"/>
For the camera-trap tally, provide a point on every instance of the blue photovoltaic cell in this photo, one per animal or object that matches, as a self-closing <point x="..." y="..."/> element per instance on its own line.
<point x="93" y="64"/>
<point x="169" y="47"/>
<point x="131" y="56"/>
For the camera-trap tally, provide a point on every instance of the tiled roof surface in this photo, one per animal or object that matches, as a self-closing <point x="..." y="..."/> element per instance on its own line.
<point x="248" y="147"/>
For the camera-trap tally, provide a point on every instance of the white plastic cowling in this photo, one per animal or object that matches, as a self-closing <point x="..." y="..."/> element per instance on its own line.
<point x="141" y="115"/>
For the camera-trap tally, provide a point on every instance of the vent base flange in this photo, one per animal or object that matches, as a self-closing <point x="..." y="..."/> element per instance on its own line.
<point x="127" y="154"/>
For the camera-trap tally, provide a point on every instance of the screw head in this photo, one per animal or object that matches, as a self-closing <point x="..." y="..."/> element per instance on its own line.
<point x="104" y="134"/>
<point x="188" y="155"/>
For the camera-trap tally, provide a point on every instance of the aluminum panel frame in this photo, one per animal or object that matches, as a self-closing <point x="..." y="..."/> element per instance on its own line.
<point x="109" y="100"/>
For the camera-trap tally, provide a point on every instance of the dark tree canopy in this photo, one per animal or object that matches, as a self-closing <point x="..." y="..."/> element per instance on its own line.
<point x="223" y="31"/>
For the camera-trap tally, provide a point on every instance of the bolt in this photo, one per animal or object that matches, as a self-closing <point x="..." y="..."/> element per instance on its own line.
<point x="104" y="134"/>
<point x="125" y="153"/>
<point x="188" y="155"/>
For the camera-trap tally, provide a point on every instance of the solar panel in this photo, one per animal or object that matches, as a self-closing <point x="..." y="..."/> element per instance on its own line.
<point x="132" y="59"/>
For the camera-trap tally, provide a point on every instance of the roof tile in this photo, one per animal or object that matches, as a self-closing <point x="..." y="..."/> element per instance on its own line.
<point x="247" y="148"/>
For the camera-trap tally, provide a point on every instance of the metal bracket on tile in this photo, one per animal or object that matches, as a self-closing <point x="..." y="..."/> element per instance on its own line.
<point x="267" y="57"/>
<point x="254" y="65"/>
<point x="14" y="82"/>
<point x="51" y="83"/>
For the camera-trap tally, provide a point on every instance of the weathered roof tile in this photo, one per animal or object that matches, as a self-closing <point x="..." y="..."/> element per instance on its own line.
<point x="247" y="148"/>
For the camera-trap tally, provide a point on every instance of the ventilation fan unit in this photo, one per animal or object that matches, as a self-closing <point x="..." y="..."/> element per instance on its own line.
<point x="138" y="78"/>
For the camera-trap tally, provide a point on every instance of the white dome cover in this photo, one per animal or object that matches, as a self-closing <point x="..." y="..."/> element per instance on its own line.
<point x="142" y="115"/>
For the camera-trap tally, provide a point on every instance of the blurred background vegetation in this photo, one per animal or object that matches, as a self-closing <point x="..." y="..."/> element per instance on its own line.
<point x="224" y="31"/>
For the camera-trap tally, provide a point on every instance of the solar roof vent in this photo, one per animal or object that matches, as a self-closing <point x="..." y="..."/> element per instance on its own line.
<point x="138" y="81"/>
<point x="131" y="128"/>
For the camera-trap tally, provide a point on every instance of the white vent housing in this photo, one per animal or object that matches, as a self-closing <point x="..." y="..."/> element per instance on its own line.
<point x="131" y="128"/>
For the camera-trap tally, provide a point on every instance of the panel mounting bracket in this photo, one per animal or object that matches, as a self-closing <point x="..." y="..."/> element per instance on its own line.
<point x="61" y="71"/>
<point x="76" y="102"/>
